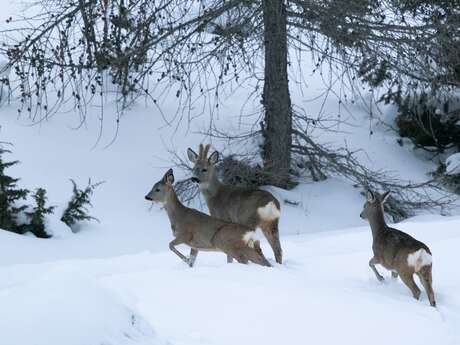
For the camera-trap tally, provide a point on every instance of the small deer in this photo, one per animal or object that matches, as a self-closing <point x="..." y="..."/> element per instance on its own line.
<point x="252" y="207"/>
<point x="397" y="251"/>
<point x="202" y="232"/>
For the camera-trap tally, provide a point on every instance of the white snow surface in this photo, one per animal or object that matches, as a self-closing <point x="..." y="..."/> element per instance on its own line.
<point x="64" y="306"/>
<point x="324" y="293"/>
<point x="453" y="164"/>
<point x="116" y="283"/>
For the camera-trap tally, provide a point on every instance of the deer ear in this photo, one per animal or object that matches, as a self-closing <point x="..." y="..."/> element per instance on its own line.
<point x="370" y="196"/>
<point x="385" y="196"/>
<point x="213" y="158"/>
<point x="192" y="156"/>
<point x="169" y="177"/>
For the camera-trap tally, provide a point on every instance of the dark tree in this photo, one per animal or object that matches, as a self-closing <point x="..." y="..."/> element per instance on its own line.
<point x="37" y="215"/>
<point x="10" y="195"/>
<point x="197" y="47"/>
<point x="406" y="50"/>
<point x="277" y="126"/>
<point x="140" y="46"/>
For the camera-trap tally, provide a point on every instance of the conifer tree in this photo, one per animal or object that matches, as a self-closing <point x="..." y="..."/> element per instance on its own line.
<point x="37" y="215"/>
<point x="10" y="194"/>
<point x="77" y="208"/>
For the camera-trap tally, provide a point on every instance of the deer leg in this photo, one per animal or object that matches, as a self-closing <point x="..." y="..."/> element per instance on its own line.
<point x="394" y="275"/>
<point x="426" y="279"/>
<point x="271" y="232"/>
<point x="192" y="258"/>
<point x="229" y="259"/>
<point x="372" y="263"/>
<point x="408" y="279"/>
<point x="172" y="247"/>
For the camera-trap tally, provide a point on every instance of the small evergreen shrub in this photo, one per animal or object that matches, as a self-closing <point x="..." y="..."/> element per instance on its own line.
<point x="21" y="218"/>
<point x="36" y="216"/>
<point x="10" y="196"/>
<point x="78" y="207"/>
<point x="431" y="126"/>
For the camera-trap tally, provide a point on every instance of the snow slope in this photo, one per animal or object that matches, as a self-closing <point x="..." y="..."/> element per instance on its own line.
<point x="325" y="293"/>
<point x="90" y="286"/>
<point x="63" y="306"/>
<point x="116" y="283"/>
<point x="58" y="149"/>
<point x="53" y="152"/>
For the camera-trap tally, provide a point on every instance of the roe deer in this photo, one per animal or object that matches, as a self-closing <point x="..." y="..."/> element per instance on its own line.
<point x="252" y="207"/>
<point x="202" y="232"/>
<point x="395" y="250"/>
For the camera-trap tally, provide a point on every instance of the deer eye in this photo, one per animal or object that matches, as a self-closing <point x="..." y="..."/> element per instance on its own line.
<point x="204" y="170"/>
<point x="157" y="190"/>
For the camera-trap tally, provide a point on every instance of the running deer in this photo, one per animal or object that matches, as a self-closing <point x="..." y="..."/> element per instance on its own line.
<point x="252" y="207"/>
<point x="395" y="250"/>
<point x="202" y="232"/>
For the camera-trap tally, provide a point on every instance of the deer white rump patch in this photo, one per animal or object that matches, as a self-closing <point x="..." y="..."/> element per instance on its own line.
<point x="269" y="211"/>
<point x="250" y="238"/>
<point x="418" y="259"/>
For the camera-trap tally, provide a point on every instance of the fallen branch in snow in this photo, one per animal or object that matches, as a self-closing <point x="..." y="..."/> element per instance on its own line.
<point x="448" y="179"/>
<point x="233" y="170"/>
<point x="319" y="161"/>
<point x="406" y="197"/>
<point x="186" y="189"/>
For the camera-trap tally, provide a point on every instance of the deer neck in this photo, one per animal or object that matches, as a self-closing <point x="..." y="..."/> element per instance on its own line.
<point x="377" y="223"/>
<point x="211" y="188"/>
<point x="173" y="206"/>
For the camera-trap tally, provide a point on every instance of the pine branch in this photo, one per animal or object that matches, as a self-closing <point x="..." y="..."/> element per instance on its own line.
<point x="77" y="209"/>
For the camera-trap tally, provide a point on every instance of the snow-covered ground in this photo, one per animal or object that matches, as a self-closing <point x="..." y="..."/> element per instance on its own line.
<point x="116" y="283"/>
<point x="325" y="293"/>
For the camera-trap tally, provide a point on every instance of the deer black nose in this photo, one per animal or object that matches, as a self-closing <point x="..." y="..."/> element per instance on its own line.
<point x="195" y="179"/>
<point x="148" y="198"/>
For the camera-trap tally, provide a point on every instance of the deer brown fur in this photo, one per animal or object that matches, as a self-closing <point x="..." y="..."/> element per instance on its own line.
<point x="202" y="232"/>
<point x="252" y="207"/>
<point x="397" y="251"/>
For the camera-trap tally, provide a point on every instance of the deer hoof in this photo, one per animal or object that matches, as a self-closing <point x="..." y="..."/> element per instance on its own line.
<point x="279" y="259"/>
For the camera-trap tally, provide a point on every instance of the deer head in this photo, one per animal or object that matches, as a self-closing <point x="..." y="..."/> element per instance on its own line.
<point x="160" y="190"/>
<point x="373" y="204"/>
<point x="204" y="168"/>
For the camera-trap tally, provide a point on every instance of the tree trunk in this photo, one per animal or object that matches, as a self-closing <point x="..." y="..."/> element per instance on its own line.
<point x="276" y="99"/>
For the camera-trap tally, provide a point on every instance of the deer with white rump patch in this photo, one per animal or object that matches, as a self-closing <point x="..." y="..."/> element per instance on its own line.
<point x="395" y="250"/>
<point x="252" y="207"/>
<point x="202" y="232"/>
